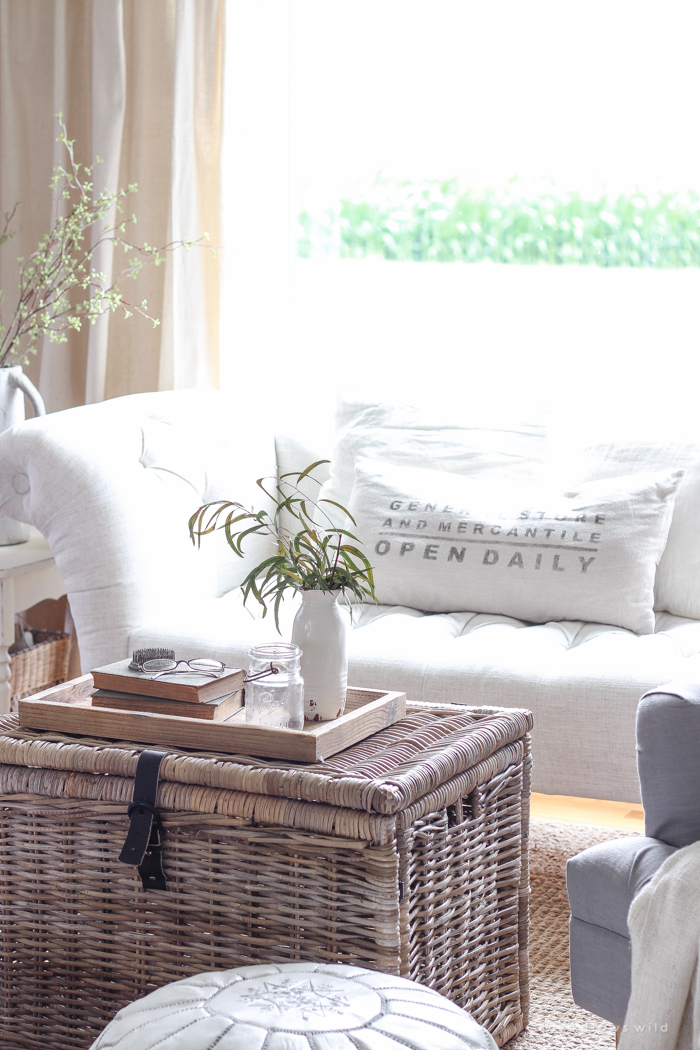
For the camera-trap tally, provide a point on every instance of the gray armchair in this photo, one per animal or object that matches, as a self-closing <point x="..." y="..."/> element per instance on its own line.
<point x="603" y="880"/>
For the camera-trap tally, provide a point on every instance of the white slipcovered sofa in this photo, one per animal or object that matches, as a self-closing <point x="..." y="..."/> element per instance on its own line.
<point x="111" y="486"/>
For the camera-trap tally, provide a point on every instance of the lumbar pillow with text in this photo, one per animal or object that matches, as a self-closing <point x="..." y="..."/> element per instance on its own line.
<point x="444" y="543"/>
<point x="677" y="577"/>
<point x="469" y="441"/>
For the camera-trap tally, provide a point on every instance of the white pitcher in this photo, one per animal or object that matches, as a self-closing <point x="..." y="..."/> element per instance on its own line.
<point x="320" y="632"/>
<point x="13" y="387"/>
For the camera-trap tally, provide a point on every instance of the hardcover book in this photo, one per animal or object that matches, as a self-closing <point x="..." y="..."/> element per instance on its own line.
<point x="215" y="710"/>
<point x="190" y="688"/>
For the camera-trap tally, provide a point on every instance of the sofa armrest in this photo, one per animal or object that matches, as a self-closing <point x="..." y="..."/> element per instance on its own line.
<point x="111" y="487"/>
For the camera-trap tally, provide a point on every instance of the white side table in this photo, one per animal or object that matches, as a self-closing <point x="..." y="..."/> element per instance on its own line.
<point x="28" y="574"/>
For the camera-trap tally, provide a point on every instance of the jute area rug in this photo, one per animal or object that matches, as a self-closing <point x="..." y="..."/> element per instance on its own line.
<point x="556" y="1023"/>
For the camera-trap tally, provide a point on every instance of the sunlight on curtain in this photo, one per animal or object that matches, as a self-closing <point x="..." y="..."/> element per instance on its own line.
<point x="140" y="85"/>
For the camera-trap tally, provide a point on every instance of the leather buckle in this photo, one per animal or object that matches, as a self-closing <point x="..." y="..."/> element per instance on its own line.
<point x="142" y="845"/>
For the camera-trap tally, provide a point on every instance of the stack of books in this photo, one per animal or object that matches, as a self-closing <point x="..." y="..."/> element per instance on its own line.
<point x="187" y="695"/>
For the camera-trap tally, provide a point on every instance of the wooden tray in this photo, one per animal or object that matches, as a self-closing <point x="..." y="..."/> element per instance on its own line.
<point x="66" y="709"/>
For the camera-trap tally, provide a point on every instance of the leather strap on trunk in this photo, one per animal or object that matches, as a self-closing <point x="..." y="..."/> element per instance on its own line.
<point x="143" y="841"/>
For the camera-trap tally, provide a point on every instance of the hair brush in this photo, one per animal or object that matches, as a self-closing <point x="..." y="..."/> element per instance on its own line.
<point x="139" y="657"/>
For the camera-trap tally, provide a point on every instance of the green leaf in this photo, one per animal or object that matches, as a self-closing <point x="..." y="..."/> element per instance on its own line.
<point x="340" y="507"/>
<point x="307" y="470"/>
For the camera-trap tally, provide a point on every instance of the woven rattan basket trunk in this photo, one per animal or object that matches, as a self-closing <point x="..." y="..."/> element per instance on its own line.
<point x="43" y="665"/>
<point x="406" y="853"/>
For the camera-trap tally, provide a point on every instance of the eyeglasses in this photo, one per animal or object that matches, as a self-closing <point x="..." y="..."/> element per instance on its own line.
<point x="159" y="668"/>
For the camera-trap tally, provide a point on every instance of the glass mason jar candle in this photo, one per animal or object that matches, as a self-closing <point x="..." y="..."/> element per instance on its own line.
<point x="274" y="689"/>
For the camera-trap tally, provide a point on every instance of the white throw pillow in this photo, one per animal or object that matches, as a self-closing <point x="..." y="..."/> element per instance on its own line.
<point x="444" y="543"/>
<point x="678" y="575"/>
<point x="474" y="443"/>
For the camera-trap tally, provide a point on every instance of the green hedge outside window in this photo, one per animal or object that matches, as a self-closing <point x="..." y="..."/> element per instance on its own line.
<point x="441" y="221"/>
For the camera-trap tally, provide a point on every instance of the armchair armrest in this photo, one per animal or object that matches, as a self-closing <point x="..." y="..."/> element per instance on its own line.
<point x="668" y="761"/>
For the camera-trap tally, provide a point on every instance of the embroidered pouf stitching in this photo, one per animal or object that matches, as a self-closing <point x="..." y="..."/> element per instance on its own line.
<point x="294" y="1006"/>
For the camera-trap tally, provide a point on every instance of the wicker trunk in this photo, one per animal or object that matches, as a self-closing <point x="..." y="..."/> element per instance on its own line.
<point x="406" y="853"/>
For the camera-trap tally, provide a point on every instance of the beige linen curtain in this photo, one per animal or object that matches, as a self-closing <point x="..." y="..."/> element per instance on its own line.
<point x="139" y="83"/>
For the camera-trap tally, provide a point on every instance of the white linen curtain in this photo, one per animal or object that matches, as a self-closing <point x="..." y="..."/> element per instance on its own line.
<point x="139" y="83"/>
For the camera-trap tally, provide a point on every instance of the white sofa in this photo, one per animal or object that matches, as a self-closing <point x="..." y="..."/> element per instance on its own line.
<point x="111" y="487"/>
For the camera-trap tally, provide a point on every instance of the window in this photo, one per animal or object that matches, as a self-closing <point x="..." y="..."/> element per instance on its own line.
<point x="539" y="145"/>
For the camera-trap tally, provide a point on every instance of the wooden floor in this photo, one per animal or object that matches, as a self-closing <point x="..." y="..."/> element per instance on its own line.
<point x="626" y="815"/>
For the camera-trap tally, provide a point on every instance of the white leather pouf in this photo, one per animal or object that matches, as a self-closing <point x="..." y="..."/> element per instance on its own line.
<point x="293" y="1006"/>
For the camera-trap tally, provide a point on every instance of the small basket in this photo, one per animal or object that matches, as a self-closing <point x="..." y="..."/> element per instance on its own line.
<point x="42" y="665"/>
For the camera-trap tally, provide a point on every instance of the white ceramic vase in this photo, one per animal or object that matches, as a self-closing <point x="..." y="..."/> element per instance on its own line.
<point x="319" y="631"/>
<point x="13" y="387"/>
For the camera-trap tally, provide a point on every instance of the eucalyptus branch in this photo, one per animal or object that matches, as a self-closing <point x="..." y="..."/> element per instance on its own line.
<point x="314" y="558"/>
<point x="59" y="288"/>
<point x="335" y="563"/>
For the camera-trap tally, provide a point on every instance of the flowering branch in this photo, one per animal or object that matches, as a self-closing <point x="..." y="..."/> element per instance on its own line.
<point x="59" y="287"/>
